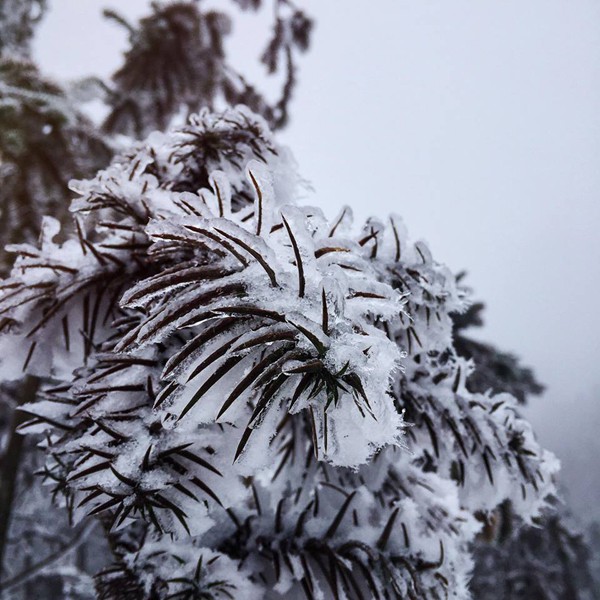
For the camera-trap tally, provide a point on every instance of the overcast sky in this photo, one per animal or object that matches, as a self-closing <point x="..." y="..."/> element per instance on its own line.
<point x="479" y="123"/>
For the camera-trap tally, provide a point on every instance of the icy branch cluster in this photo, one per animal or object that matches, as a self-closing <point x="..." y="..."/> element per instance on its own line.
<point x="254" y="401"/>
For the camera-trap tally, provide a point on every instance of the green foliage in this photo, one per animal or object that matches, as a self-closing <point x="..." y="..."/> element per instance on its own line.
<point x="44" y="143"/>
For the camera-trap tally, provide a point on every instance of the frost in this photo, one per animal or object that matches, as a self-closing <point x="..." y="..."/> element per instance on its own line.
<point x="237" y="373"/>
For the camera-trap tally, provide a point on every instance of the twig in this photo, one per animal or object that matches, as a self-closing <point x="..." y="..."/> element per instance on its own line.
<point x="80" y="536"/>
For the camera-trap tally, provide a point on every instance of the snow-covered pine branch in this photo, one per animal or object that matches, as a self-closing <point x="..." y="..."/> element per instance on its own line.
<point x="266" y="403"/>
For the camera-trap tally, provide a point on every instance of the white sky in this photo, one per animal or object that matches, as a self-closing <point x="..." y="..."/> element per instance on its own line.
<point x="479" y="123"/>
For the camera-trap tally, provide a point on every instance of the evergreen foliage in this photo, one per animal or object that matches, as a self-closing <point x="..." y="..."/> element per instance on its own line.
<point x="17" y="21"/>
<point x="45" y="140"/>
<point x="247" y="400"/>
<point x="534" y="563"/>
<point x="177" y="64"/>
<point x="238" y="381"/>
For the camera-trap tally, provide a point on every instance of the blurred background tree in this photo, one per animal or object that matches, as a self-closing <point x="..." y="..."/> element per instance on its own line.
<point x="551" y="560"/>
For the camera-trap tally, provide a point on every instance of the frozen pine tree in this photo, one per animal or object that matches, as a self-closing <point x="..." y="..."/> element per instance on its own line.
<point x="46" y="140"/>
<point x="395" y="514"/>
<point x="254" y="401"/>
<point x="549" y="559"/>
<point x="177" y="64"/>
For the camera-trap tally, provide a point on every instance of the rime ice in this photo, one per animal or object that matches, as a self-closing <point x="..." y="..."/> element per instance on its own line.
<point x="275" y="397"/>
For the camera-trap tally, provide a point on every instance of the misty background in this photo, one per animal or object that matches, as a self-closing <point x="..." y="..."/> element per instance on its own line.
<point x="478" y="123"/>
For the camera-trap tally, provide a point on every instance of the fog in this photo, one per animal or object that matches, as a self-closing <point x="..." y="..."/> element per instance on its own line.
<point x="479" y="124"/>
